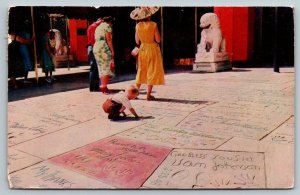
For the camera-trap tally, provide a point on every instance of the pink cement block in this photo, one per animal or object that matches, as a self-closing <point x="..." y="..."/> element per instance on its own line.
<point x="116" y="161"/>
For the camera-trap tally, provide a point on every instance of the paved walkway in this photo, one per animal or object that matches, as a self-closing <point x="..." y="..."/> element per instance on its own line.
<point x="66" y="80"/>
<point x="61" y="71"/>
<point x="216" y="130"/>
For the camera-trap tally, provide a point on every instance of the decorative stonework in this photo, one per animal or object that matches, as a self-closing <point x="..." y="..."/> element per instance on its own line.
<point x="211" y="55"/>
<point x="116" y="161"/>
<point x="209" y="169"/>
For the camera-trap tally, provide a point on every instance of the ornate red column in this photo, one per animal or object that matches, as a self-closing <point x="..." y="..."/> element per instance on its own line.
<point x="237" y="24"/>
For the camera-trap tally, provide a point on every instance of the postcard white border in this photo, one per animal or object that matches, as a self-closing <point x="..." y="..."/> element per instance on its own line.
<point x="4" y="5"/>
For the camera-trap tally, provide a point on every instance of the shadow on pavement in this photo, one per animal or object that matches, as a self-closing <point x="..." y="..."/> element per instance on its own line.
<point x="233" y="70"/>
<point x="287" y="72"/>
<point x="131" y="118"/>
<point x="240" y="70"/>
<point x="62" y="84"/>
<point x="180" y="101"/>
<point x="116" y="90"/>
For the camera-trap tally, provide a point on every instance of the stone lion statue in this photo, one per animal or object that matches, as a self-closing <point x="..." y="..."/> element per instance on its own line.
<point x="211" y="35"/>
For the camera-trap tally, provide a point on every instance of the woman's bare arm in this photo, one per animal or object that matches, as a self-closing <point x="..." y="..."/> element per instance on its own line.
<point x="137" y="39"/>
<point x="108" y="37"/>
<point x="134" y="113"/>
<point x="156" y="35"/>
<point x="23" y="41"/>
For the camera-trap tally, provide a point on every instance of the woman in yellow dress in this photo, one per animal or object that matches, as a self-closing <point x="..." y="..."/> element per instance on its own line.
<point x="150" y="67"/>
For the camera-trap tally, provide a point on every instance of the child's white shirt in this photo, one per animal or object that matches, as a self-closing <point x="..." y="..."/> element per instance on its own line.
<point x="122" y="98"/>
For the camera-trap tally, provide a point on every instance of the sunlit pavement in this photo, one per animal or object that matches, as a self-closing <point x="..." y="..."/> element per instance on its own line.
<point x="230" y="129"/>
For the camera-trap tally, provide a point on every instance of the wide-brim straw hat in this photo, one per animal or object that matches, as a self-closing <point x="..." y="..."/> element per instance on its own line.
<point x="143" y="12"/>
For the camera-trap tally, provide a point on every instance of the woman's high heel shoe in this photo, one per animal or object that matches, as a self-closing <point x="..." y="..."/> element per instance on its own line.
<point x="104" y="90"/>
<point x="150" y="98"/>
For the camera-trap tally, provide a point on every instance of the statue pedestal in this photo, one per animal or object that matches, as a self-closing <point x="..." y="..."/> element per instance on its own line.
<point x="211" y="66"/>
<point x="211" y="62"/>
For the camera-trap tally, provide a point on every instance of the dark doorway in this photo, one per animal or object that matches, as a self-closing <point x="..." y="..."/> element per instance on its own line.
<point x="271" y="39"/>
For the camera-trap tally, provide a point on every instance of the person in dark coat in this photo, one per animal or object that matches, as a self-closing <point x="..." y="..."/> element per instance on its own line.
<point x="15" y="59"/>
<point x="94" y="74"/>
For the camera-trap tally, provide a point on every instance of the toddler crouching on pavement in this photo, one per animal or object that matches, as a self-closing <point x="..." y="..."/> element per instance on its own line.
<point x="117" y="104"/>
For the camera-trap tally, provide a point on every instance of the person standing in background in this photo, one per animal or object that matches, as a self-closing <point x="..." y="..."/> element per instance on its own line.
<point x="24" y="50"/>
<point x="15" y="59"/>
<point x="94" y="74"/>
<point x="104" y="52"/>
<point x="47" y="56"/>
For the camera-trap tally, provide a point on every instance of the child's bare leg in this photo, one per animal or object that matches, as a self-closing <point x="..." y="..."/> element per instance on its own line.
<point x="104" y="81"/>
<point x="122" y="109"/>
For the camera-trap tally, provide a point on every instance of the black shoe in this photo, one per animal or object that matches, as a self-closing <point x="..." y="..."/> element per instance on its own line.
<point x="276" y="70"/>
<point x="94" y="89"/>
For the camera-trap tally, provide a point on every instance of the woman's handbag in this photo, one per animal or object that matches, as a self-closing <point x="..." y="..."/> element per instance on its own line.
<point x="135" y="51"/>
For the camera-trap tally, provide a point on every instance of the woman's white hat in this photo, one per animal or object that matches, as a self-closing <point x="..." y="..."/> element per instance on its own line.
<point x="143" y="12"/>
